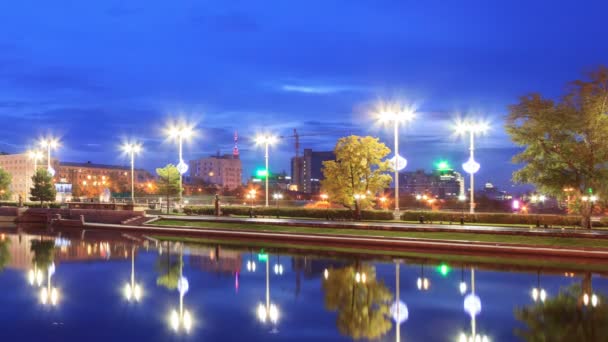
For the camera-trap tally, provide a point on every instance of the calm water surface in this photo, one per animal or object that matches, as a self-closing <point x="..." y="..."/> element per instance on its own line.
<point x="249" y="295"/>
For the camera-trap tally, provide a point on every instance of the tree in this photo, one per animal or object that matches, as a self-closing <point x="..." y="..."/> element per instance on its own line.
<point x="564" y="318"/>
<point x="5" y="184"/>
<point x="5" y="253"/>
<point x="168" y="182"/>
<point x="44" y="189"/>
<point x="363" y="307"/>
<point x="358" y="169"/>
<point x="565" y="141"/>
<point x="44" y="253"/>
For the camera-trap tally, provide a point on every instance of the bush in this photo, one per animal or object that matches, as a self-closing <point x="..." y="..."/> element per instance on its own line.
<point x="495" y="218"/>
<point x="378" y="215"/>
<point x="31" y="204"/>
<point x="336" y="214"/>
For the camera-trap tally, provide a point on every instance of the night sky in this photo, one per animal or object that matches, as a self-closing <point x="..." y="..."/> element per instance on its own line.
<point x="97" y="72"/>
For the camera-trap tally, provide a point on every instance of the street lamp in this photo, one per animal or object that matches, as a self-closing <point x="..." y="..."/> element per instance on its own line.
<point x="180" y="133"/>
<point x="398" y="310"/>
<point x="34" y="276"/>
<point x="132" y="149"/>
<point x="132" y="290"/>
<point x="48" y="144"/>
<point x="422" y="283"/>
<point x="396" y="114"/>
<point x="35" y="155"/>
<point x="277" y="197"/>
<point x="266" y="140"/>
<point x="538" y="292"/>
<point x="471" y="166"/>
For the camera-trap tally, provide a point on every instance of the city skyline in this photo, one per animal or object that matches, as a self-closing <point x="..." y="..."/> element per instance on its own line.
<point x="100" y="78"/>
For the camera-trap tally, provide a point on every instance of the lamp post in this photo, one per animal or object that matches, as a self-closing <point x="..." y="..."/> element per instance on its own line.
<point x="398" y="310"/>
<point x="179" y="133"/>
<point x="538" y="292"/>
<point x="471" y="166"/>
<point x="182" y="318"/>
<point x="132" y="290"/>
<point x="472" y="306"/>
<point x="49" y="144"/>
<point x="266" y="140"/>
<point x="396" y="114"/>
<point x="325" y="198"/>
<point x="34" y="155"/>
<point x="422" y="283"/>
<point x="132" y="149"/>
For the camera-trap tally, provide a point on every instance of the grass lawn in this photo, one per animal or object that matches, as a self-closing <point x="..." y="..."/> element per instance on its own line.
<point x="505" y="239"/>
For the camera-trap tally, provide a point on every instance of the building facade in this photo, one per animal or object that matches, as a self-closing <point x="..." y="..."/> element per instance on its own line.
<point x="307" y="170"/>
<point x="443" y="184"/>
<point x="91" y="174"/>
<point x="21" y="169"/>
<point x="222" y="171"/>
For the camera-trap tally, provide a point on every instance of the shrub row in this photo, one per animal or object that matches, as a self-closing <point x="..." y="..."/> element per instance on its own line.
<point x="30" y="204"/>
<point x="493" y="218"/>
<point x="336" y="214"/>
<point x="426" y="216"/>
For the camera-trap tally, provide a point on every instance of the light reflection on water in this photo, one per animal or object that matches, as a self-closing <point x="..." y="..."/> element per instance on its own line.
<point x="133" y="288"/>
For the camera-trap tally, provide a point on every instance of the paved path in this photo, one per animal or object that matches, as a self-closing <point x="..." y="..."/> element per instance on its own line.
<point x="583" y="233"/>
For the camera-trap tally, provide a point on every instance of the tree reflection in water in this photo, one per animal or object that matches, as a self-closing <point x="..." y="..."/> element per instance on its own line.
<point x="5" y="255"/>
<point x="564" y="318"/>
<point x="363" y="307"/>
<point x="44" y="253"/>
<point x="169" y="270"/>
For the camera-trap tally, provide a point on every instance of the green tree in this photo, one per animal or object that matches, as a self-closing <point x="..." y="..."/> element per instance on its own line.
<point x="168" y="182"/>
<point x="363" y="307"/>
<point x="44" y="189"/>
<point x="358" y="169"/>
<point x="564" y="318"/>
<point x="5" y="184"/>
<point x="565" y="141"/>
<point x="169" y="270"/>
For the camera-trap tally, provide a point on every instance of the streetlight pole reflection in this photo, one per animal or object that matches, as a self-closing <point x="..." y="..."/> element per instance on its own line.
<point x="268" y="311"/>
<point x="49" y="294"/>
<point x="472" y="306"/>
<point x="133" y="290"/>
<point x="181" y="319"/>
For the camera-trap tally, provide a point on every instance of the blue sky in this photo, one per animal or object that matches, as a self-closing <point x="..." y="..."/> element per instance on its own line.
<point x="97" y="72"/>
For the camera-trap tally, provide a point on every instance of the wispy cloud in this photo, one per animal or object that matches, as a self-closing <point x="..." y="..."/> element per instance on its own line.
<point x="317" y="89"/>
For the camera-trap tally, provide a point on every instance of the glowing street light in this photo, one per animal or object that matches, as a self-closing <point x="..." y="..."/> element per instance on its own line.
<point x="472" y="306"/>
<point x="132" y="149"/>
<point x="132" y="290"/>
<point x="593" y="300"/>
<point x="48" y="144"/>
<point x="34" y="276"/>
<point x="398" y="310"/>
<point x="181" y="319"/>
<point x="423" y="283"/>
<point x="538" y="293"/>
<point x="180" y="132"/>
<point x="266" y="140"/>
<point x="35" y="155"/>
<point x="471" y="166"/>
<point x="396" y="113"/>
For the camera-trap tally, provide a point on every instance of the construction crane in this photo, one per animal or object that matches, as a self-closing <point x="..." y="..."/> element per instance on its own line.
<point x="296" y="136"/>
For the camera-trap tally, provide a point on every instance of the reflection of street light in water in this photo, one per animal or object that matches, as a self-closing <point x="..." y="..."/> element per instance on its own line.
<point x="49" y="294"/>
<point x="538" y="292"/>
<point x="423" y="282"/>
<point x="463" y="285"/>
<point x="269" y="311"/>
<point x="251" y="266"/>
<point x="35" y="276"/>
<point x="132" y="290"/>
<point x="278" y="267"/>
<point x="472" y="306"/>
<point x="398" y="310"/>
<point x="182" y="318"/>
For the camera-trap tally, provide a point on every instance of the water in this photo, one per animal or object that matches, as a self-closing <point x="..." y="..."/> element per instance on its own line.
<point x="226" y="299"/>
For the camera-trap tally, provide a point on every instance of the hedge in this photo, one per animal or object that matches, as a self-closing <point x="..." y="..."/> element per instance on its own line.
<point x="335" y="214"/>
<point x="495" y="218"/>
<point x="31" y="204"/>
<point x="427" y="216"/>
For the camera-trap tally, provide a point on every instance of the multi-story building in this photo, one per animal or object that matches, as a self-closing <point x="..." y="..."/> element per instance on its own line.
<point x="441" y="183"/>
<point x="21" y="169"/>
<point x="307" y="170"/>
<point x="222" y="171"/>
<point x="86" y="174"/>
